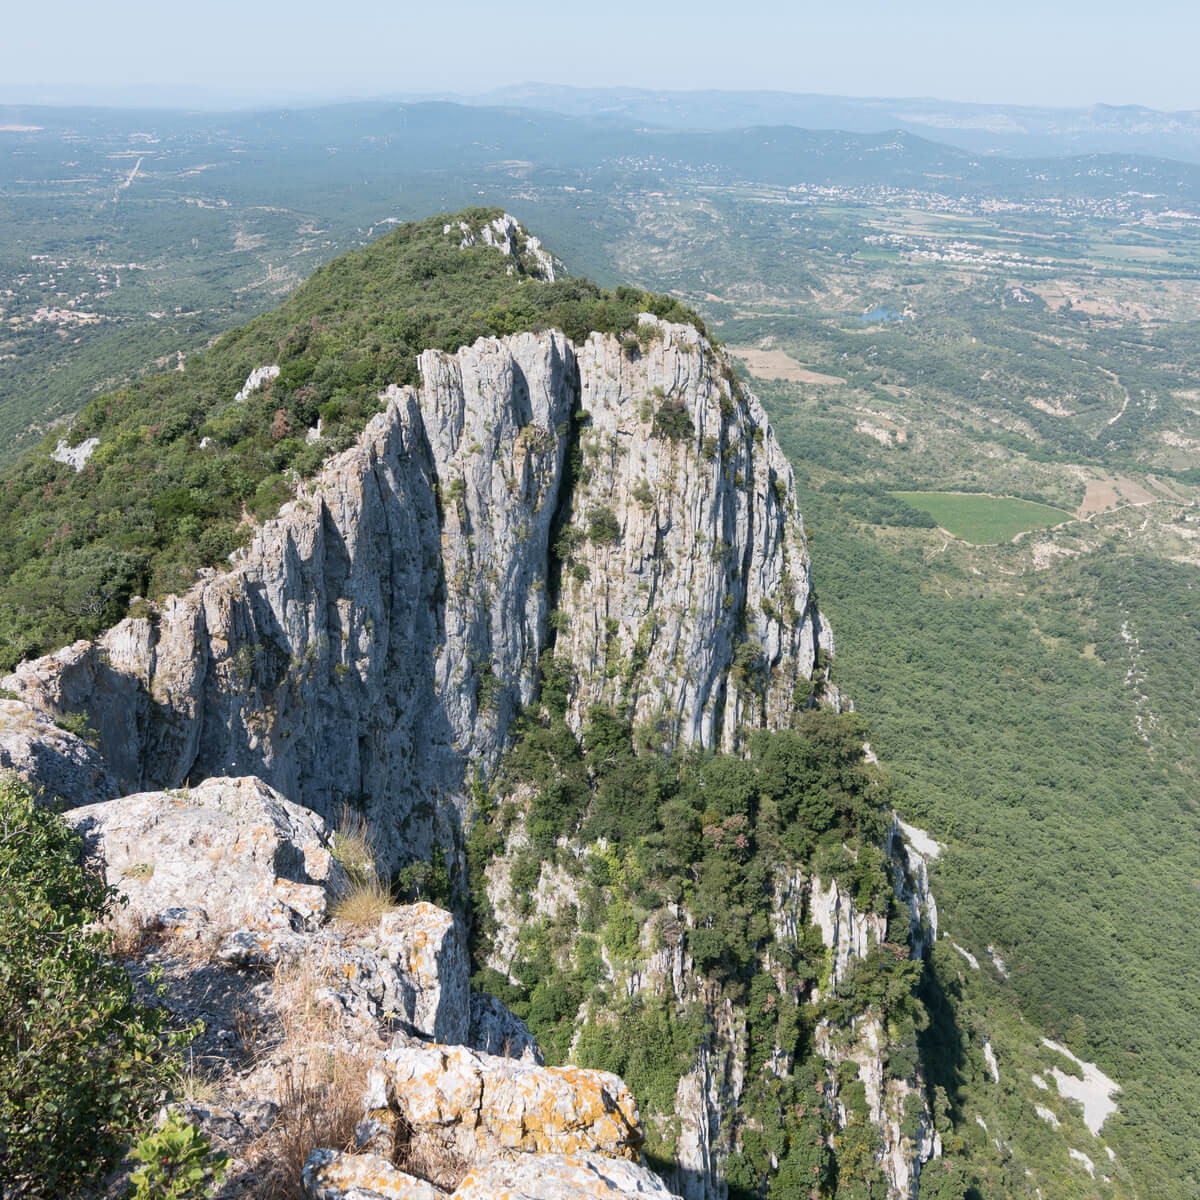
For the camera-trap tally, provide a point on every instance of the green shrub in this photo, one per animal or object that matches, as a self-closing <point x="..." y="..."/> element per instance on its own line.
<point x="177" y="1164"/>
<point x="77" y="723"/>
<point x="673" y="422"/>
<point x="82" y="1064"/>
<point x="603" y="526"/>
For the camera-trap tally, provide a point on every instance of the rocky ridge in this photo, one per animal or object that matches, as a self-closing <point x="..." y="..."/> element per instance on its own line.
<point x="373" y="642"/>
<point x="617" y="505"/>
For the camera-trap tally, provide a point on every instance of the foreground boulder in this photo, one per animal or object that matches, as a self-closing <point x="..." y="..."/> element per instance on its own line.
<point x="230" y="851"/>
<point x="329" y="1175"/>
<point x="232" y="857"/>
<point x="410" y="972"/>
<point x="560" y="1177"/>
<point x="454" y="1104"/>
<point x="64" y="768"/>
<point x="429" y="946"/>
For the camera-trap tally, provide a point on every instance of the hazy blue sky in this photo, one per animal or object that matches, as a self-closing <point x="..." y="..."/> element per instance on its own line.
<point x="1015" y="51"/>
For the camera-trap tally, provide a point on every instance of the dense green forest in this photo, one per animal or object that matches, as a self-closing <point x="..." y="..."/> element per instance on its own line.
<point x="1060" y="814"/>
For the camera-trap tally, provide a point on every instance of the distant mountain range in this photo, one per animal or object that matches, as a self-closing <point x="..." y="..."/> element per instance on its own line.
<point x="984" y="128"/>
<point x="1007" y="129"/>
<point x="453" y="137"/>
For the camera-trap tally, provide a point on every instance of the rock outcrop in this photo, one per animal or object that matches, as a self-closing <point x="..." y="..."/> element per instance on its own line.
<point x="373" y="642"/>
<point x="616" y="507"/>
<point x="65" y="768"/>
<point x="850" y="935"/>
<point x="232" y="850"/>
<point x="459" y="1105"/>
<point x="506" y="234"/>
<point x="330" y="1175"/>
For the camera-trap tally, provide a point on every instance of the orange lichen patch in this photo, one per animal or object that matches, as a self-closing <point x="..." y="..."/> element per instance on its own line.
<point x="328" y="1173"/>
<point x="504" y="1103"/>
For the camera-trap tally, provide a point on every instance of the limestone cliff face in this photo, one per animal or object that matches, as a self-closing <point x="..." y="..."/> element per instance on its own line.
<point x="373" y="641"/>
<point x="849" y="935"/>
<point x="710" y="556"/>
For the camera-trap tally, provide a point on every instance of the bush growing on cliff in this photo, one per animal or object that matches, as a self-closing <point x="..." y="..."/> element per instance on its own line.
<point x="81" y="1062"/>
<point x="684" y="851"/>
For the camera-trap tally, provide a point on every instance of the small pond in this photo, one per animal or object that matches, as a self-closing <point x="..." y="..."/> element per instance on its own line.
<point x="879" y="314"/>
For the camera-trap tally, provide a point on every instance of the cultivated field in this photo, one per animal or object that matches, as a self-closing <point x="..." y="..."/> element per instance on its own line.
<point x="983" y="520"/>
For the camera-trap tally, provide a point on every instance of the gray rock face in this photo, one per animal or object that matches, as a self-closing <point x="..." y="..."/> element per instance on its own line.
<point x="63" y="766"/>
<point x="697" y="610"/>
<point x="494" y="1030"/>
<point x="507" y="235"/>
<point x="233" y="849"/>
<point x="372" y="642"/>
<point x="850" y="935"/>
<point x="429" y="946"/>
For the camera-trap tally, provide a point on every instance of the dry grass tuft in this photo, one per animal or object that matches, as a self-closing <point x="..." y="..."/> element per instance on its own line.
<point x="321" y="1101"/>
<point x="363" y="905"/>
<point x="367" y="897"/>
<point x="321" y="1086"/>
<point x="128" y="932"/>
<point x="427" y="1159"/>
<point x="354" y="846"/>
<point x="193" y="1087"/>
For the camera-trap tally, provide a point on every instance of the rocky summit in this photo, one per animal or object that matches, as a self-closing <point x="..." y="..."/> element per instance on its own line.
<point x="580" y="552"/>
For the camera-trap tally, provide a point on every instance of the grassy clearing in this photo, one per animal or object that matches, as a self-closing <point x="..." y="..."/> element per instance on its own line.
<point x="983" y="520"/>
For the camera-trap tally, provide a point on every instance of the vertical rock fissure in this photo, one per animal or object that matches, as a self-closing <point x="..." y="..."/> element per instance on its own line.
<point x="564" y="509"/>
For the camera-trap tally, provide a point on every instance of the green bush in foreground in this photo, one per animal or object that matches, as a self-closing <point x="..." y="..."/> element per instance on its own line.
<point x="81" y="1063"/>
<point x="177" y="1164"/>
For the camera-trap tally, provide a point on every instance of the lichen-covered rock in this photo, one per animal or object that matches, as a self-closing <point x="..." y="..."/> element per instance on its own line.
<point x="471" y="1106"/>
<point x="428" y="945"/>
<point x="66" y="769"/>
<point x="233" y="848"/>
<point x="560" y="1177"/>
<point x="331" y="1175"/>
<point x="411" y="972"/>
